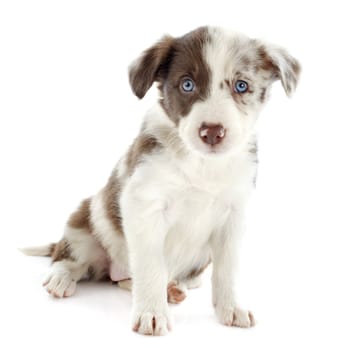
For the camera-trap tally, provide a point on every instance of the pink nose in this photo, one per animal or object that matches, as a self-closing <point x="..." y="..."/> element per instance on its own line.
<point x="212" y="134"/>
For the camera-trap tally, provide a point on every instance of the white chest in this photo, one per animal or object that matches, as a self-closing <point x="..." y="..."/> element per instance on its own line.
<point x="195" y="199"/>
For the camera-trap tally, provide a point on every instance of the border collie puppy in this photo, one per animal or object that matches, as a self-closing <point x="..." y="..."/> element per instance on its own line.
<point x="175" y="202"/>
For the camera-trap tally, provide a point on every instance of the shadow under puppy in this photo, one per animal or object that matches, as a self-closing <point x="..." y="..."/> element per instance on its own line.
<point x="175" y="202"/>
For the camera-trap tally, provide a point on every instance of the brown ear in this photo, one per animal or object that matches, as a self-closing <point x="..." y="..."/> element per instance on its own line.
<point x="150" y="66"/>
<point x="284" y="66"/>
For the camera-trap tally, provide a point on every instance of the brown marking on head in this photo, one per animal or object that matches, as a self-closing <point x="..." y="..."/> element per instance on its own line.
<point x="260" y="64"/>
<point x="281" y="65"/>
<point x="150" y="67"/>
<point x="169" y="62"/>
<point x="187" y="62"/>
<point x="62" y="251"/>
<point x="265" y="61"/>
<point x="245" y="61"/>
<point x="111" y="196"/>
<point x="80" y="219"/>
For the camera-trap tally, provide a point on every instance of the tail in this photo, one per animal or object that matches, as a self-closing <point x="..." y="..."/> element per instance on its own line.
<point x="45" y="250"/>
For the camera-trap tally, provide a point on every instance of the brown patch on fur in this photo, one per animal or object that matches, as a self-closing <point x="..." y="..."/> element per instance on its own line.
<point x="266" y="62"/>
<point x="143" y="144"/>
<point x="221" y="85"/>
<point x="186" y="61"/>
<point x="175" y="294"/>
<point x="168" y="62"/>
<point x="111" y="195"/>
<point x="80" y="219"/>
<point x="62" y="251"/>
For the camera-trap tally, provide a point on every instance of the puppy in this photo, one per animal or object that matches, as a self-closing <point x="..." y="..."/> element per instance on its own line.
<point x="175" y="202"/>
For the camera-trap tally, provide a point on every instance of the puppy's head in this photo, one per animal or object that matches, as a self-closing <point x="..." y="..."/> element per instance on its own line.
<point x="213" y="84"/>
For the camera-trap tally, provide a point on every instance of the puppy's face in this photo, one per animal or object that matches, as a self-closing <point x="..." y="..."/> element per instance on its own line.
<point x="213" y="84"/>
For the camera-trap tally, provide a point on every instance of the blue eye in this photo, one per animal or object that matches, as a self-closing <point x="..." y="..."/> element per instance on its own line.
<point x="241" y="86"/>
<point x="188" y="85"/>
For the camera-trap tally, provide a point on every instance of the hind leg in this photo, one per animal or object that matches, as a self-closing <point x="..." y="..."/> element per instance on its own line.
<point x="77" y="256"/>
<point x="63" y="277"/>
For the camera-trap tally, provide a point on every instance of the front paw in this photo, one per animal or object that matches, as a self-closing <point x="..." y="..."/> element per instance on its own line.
<point x="151" y="323"/>
<point x="235" y="316"/>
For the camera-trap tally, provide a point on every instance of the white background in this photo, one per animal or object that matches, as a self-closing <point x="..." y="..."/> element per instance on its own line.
<point x="67" y="114"/>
